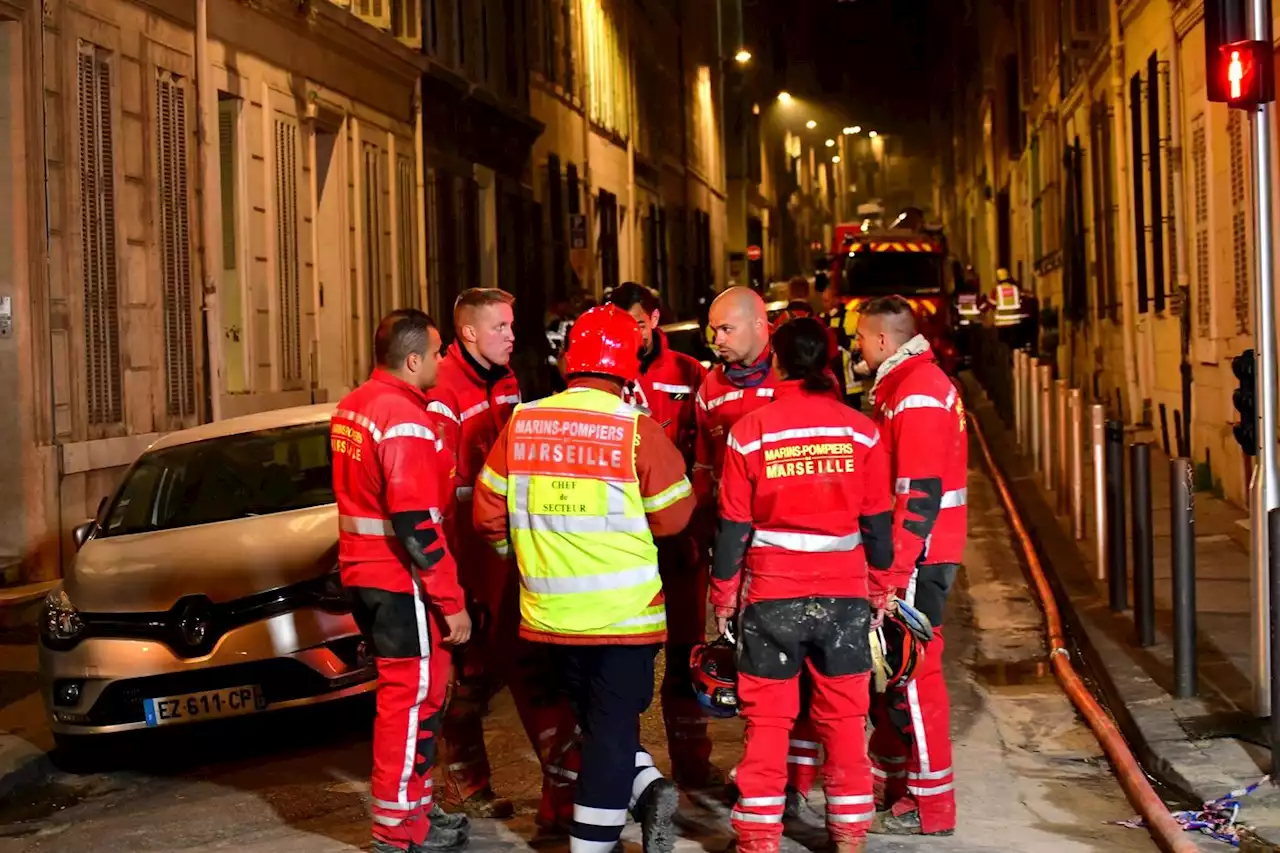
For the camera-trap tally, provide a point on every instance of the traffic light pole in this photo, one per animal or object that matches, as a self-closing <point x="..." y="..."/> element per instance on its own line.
<point x="1265" y="490"/>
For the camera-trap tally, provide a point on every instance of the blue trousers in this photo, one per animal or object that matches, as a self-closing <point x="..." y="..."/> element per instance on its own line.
<point x="609" y="688"/>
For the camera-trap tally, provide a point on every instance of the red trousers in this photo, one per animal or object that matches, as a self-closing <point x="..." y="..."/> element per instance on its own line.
<point x="838" y="711"/>
<point x="911" y="745"/>
<point x="684" y="584"/>
<point x="413" y="675"/>
<point x="496" y="656"/>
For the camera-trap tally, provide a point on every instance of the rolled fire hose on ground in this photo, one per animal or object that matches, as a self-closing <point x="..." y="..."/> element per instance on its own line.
<point x="1165" y="831"/>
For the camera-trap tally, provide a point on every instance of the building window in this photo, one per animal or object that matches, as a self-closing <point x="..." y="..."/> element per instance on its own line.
<point x="373" y="221"/>
<point x="484" y="43"/>
<point x="376" y="13"/>
<point x="407" y="232"/>
<point x="607" y="211"/>
<point x="231" y="287"/>
<point x="406" y="21"/>
<point x="175" y="244"/>
<point x="460" y="31"/>
<point x="288" y="280"/>
<point x="103" y="381"/>
<point x="1104" y="212"/>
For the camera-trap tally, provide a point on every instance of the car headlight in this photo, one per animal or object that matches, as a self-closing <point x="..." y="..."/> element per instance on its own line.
<point x="61" y="623"/>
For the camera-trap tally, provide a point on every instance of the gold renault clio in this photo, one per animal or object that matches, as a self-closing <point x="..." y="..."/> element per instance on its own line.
<point x="206" y="586"/>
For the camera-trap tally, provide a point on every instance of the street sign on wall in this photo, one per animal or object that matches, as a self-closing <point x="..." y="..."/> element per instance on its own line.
<point x="754" y="253"/>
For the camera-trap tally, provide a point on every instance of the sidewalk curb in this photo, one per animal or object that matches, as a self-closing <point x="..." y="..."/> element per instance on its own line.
<point x="1142" y="708"/>
<point x="22" y="766"/>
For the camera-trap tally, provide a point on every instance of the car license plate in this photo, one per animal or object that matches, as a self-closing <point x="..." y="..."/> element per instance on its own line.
<point x="206" y="705"/>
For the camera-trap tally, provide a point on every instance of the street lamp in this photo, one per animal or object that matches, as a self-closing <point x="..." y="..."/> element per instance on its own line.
<point x="811" y="124"/>
<point x="835" y="159"/>
<point x="873" y="134"/>
<point x="848" y="131"/>
<point x="743" y="56"/>
<point x="831" y="143"/>
<point x="784" y="97"/>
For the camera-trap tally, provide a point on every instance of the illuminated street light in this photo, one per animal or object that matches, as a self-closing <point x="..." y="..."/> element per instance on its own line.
<point x="743" y="56"/>
<point x="849" y="131"/>
<point x="873" y="134"/>
<point x="835" y="159"/>
<point x="811" y="124"/>
<point x="857" y="128"/>
<point x="831" y="143"/>
<point x="784" y="97"/>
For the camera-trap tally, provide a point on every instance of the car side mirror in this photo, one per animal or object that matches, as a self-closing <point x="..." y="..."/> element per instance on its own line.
<point x="82" y="532"/>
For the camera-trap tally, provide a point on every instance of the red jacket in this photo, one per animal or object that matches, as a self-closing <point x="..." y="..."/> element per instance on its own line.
<point x="666" y="390"/>
<point x="921" y="415"/>
<point x="810" y="477"/>
<point x="721" y="404"/>
<point x="390" y="475"/>
<point x="472" y="406"/>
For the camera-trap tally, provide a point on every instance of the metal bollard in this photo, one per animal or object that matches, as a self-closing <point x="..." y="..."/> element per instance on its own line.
<point x="1182" y="519"/>
<point x="1273" y="557"/>
<point x="1018" y="379"/>
<point x="1118" y="582"/>
<point x="1060" y="473"/>
<point x="1046" y="425"/>
<point x="1144" y="570"/>
<point x="1097" y="437"/>
<point x="1075" y="462"/>
<point x="1032" y="408"/>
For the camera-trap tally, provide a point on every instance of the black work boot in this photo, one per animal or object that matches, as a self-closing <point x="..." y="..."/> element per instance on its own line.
<point x="795" y="802"/>
<point x="907" y="823"/>
<point x="656" y="810"/>
<point x="449" y="820"/>
<point x="485" y="804"/>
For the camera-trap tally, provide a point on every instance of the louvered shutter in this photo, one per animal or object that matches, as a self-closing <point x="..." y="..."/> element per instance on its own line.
<point x="1240" y="220"/>
<point x="104" y="398"/>
<point x="374" y="12"/>
<point x="407" y="226"/>
<point x="289" y="290"/>
<point x="175" y="247"/>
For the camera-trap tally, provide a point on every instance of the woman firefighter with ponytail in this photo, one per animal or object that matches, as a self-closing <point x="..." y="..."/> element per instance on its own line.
<point x="805" y="507"/>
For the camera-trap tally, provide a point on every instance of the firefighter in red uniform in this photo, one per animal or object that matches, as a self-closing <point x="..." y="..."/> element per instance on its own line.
<point x="665" y="391"/>
<point x="743" y="383"/>
<point x="472" y="402"/>
<point x="389" y="471"/>
<point x="920" y="414"/>
<point x="806" y="606"/>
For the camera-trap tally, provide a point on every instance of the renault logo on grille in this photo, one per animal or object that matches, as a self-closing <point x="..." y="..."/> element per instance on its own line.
<point x="194" y="620"/>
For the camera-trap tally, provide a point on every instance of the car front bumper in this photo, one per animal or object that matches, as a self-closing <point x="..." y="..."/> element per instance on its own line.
<point x="298" y="658"/>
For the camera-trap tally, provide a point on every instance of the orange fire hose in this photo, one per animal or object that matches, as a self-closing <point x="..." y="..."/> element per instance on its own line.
<point x="1166" y="832"/>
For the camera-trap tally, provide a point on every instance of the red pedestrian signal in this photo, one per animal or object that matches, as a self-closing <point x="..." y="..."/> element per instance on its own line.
<point x="1247" y="75"/>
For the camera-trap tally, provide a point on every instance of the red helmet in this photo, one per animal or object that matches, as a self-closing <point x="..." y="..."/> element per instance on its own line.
<point x="896" y="652"/>
<point x="714" y="669"/>
<point x="604" y="340"/>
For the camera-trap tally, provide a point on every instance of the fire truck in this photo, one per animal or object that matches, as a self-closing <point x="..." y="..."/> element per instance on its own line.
<point x="912" y="262"/>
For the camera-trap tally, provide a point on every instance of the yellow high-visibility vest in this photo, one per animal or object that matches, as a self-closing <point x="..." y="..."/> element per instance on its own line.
<point x="1008" y="305"/>
<point x="588" y="562"/>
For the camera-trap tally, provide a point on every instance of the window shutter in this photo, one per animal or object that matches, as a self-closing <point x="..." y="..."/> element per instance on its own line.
<point x="104" y="399"/>
<point x="289" y="290"/>
<point x="1240" y="222"/>
<point x="1200" y="226"/>
<point x="407" y="226"/>
<point x="227" y="145"/>
<point x="374" y="12"/>
<point x="406" y="21"/>
<point x="175" y="246"/>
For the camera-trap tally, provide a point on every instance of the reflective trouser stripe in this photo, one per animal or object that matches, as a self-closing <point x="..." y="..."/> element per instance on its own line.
<point x="810" y="543"/>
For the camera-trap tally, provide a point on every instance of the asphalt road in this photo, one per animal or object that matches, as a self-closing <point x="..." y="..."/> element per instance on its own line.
<point x="1030" y="776"/>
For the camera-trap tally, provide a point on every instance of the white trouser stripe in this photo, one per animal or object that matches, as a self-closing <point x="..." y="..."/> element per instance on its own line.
<point x="804" y="744"/>
<point x="643" y="779"/>
<point x="860" y="817"/>
<point x="763" y="801"/>
<point x="748" y="817"/>
<point x="921" y="791"/>
<point x="917" y="724"/>
<point x="802" y="759"/>
<point x="930" y="776"/>
<point x="424" y="683"/>
<point x="599" y="817"/>
<point x="582" y="845"/>
<point x="851" y="800"/>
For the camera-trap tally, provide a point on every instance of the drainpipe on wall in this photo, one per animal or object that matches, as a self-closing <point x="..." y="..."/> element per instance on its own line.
<point x="1180" y="233"/>
<point x="633" y="223"/>
<point x="1136" y="393"/>
<point x="210" y="221"/>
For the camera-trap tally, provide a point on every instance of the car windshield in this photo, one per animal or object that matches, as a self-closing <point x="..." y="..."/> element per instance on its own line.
<point x="884" y="273"/>
<point x="221" y="479"/>
<point x="691" y="341"/>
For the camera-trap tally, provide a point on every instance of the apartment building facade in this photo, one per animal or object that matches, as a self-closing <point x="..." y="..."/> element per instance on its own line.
<point x="1099" y="173"/>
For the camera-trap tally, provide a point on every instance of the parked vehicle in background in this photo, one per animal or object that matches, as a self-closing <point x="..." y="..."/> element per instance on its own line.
<point x="207" y="585"/>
